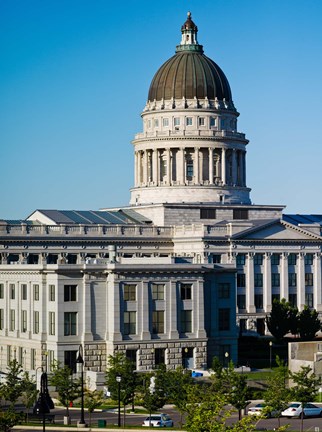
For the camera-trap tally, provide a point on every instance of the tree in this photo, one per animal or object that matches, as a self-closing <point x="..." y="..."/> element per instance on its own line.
<point x="278" y="320"/>
<point x="12" y="388"/>
<point x="29" y="393"/>
<point x="294" y="320"/>
<point x="277" y="395"/>
<point x="155" y="389"/>
<point x="309" y="323"/>
<point x="93" y="399"/>
<point x="68" y="389"/>
<point x="9" y="418"/>
<point x="305" y="387"/>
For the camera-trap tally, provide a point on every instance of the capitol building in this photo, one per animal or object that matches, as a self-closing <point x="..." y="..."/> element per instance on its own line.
<point x="177" y="275"/>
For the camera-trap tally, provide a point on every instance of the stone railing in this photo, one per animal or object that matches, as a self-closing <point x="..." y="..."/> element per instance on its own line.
<point x="195" y="133"/>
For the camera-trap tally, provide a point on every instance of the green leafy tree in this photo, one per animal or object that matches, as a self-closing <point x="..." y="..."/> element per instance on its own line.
<point x="294" y="320"/>
<point x="30" y="392"/>
<point x="11" y="389"/>
<point x="68" y="389"/>
<point x="93" y="400"/>
<point x="10" y="418"/>
<point x="309" y="323"/>
<point x="277" y="395"/>
<point x="305" y="387"/>
<point x="155" y="390"/>
<point x="278" y="320"/>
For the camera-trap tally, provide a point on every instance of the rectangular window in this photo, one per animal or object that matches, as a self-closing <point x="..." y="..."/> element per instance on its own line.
<point x="259" y="301"/>
<point x="129" y="323"/>
<point x="292" y="279"/>
<point x="9" y="354"/>
<point x="129" y="292"/>
<point x="186" y="321"/>
<point x="212" y="121"/>
<point x="216" y="259"/>
<point x="23" y="292"/>
<point x="241" y="259"/>
<point x="165" y="122"/>
<point x="292" y="298"/>
<point x="52" y="320"/>
<point x="201" y="121"/>
<point x="36" y="292"/>
<point x="275" y="279"/>
<point x="70" y="293"/>
<point x="70" y="323"/>
<point x="241" y="301"/>
<point x="309" y="300"/>
<point x="240" y="214"/>
<point x="157" y="322"/>
<point x="224" y="319"/>
<point x="51" y="289"/>
<point x="131" y="355"/>
<point x="275" y="297"/>
<point x="36" y="322"/>
<point x="308" y="279"/>
<point x="1" y="319"/>
<point x="176" y="121"/>
<point x="12" y="290"/>
<point x="308" y="259"/>
<point x="23" y="321"/>
<point x="258" y="279"/>
<point x="224" y="290"/>
<point x="51" y="359"/>
<point x="241" y="280"/>
<point x="189" y="168"/>
<point x="189" y="121"/>
<point x="186" y="291"/>
<point x="258" y="259"/>
<point x="33" y="358"/>
<point x="157" y="291"/>
<point x="275" y="259"/>
<point x="12" y="326"/>
<point x="156" y="123"/>
<point x="21" y="353"/>
<point x="1" y="291"/>
<point x="207" y="213"/>
<point x="70" y="360"/>
<point x="292" y="259"/>
<point x="159" y="356"/>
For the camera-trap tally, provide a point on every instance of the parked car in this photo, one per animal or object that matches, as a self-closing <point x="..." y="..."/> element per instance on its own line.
<point x="295" y="410"/>
<point x="158" y="420"/>
<point x="258" y="409"/>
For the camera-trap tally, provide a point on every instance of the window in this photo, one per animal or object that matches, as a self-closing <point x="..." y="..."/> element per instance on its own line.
<point x="185" y="291"/>
<point x="309" y="300"/>
<point x="52" y="259"/>
<point x="258" y="279"/>
<point x="189" y="173"/>
<point x="72" y="258"/>
<point x="189" y="121"/>
<point x="21" y="353"/>
<point x="157" y="292"/>
<point x="51" y="289"/>
<point x="292" y="298"/>
<point x="149" y="124"/>
<point x="212" y="121"/>
<point x="23" y="321"/>
<point x="51" y="359"/>
<point x="201" y="121"/>
<point x="165" y="122"/>
<point x="70" y="293"/>
<point x="223" y="123"/>
<point x="292" y="279"/>
<point x="224" y="319"/>
<point x="224" y="290"/>
<point x="157" y="322"/>
<point x="12" y="325"/>
<point x="259" y="301"/>
<point x="216" y="259"/>
<point x="52" y="320"/>
<point x="156" y="123"/>
<point x="275" y="279"/>
<point x="1" y="291"/>
<point x="36" y="292"/>
<point x="70" y="323"/>
<point x="12" y="290"/>
<point x="308" y="259"/>
<point x="129" y="323"/>
<point x="292" y="259"/>
<point x="186" y="321"/>
<point x="36" y="322"/>
<point x="159" y="356"/>
<point x="241" y="301"/>
<point x="23" y="292"/>
<point x="33" y="358"/>
<point x="241" y="259"/>
<point x="241" y="280"/>
<point x="207" y="213"/>
<point x="242" y="325"/>
<point x="258" y="259"/>
<point x="176" y="121"/>
<point x="1" y="319"/>
<point x="70" y="360"/>
<point x="131" y="355"/>
<point x="308" y="279"/>
<point x="275" y="297"/>
<point x="129" y="292"/>
<point x="240" y="214"/>
<point x="9" y="354"/>
<point x="275" y="259"/>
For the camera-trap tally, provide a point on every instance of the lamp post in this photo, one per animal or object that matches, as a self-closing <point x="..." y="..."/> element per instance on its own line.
<point x="119" y="379"/>
<point x="226" y="357"/>
<point x="270" y="354"/>
<point x="44" y="402"/>
<point x="80" y="361"/>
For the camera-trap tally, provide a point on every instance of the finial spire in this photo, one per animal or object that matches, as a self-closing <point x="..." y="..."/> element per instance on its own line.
<point x="189" y="32"/>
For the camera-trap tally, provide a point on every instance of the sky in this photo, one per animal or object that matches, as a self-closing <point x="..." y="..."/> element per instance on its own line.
<point x="74" y="79"/>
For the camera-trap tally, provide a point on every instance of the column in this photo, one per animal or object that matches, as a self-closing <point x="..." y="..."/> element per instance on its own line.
<point x="144" y="167"/>
<point x="250" y="293"/>
<point x="244" y="169"/>
<point x="114" y="311"/>
<point x="168" y="159"/>
<point x="267" y="288"/>
<point x="234" y="161"/>
<point x="135" y="169"/>
<point x="196" y="166"/>
<point x="155" y="178"/>
<point x="317" y="298"/>
<point x="139" y="167"/>
<point x="199" y="309"/>
<point x="211" y="165"/>
<point x="241" y="170"/>
<point x="143" y="311"/>
<point x="183" y="165"/>
<point x="284" y="291"/>
<point x="86" y="331"/>
<point x="223" y="166"/>
<point x="171" y="309"/>
<point x="300" y="281"/>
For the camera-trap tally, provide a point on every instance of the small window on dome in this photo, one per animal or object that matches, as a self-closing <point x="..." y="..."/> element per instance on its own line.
<point x="212" y="121"/>
<point x="149" y="124"/>
<point x="189" y="121"/>
<point x="156" y="123"/>
<point x="165" y="122"/>
<point x="176" y="121"/>
<point x="201" y="121"/>
<point x="223" y="123"/>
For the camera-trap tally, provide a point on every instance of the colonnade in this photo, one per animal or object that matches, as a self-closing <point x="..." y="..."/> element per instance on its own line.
<point x="190" y="165"/>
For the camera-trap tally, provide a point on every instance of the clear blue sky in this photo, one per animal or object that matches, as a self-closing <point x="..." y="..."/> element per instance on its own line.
<point x="74" y="78"/>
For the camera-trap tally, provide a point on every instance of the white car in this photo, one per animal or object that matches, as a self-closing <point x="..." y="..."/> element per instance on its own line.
<point x="258" y="409"/>
<point x="295" y="410"/>
<point x="158" y="420"/>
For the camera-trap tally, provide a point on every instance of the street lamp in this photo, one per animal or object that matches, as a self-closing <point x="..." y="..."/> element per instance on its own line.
<point x="44" y="402"/>
<point x="270" y="354"/>
<point x="80" y="361"/>
<point x="119" y="379"/>
<point x="226" y="357"/>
